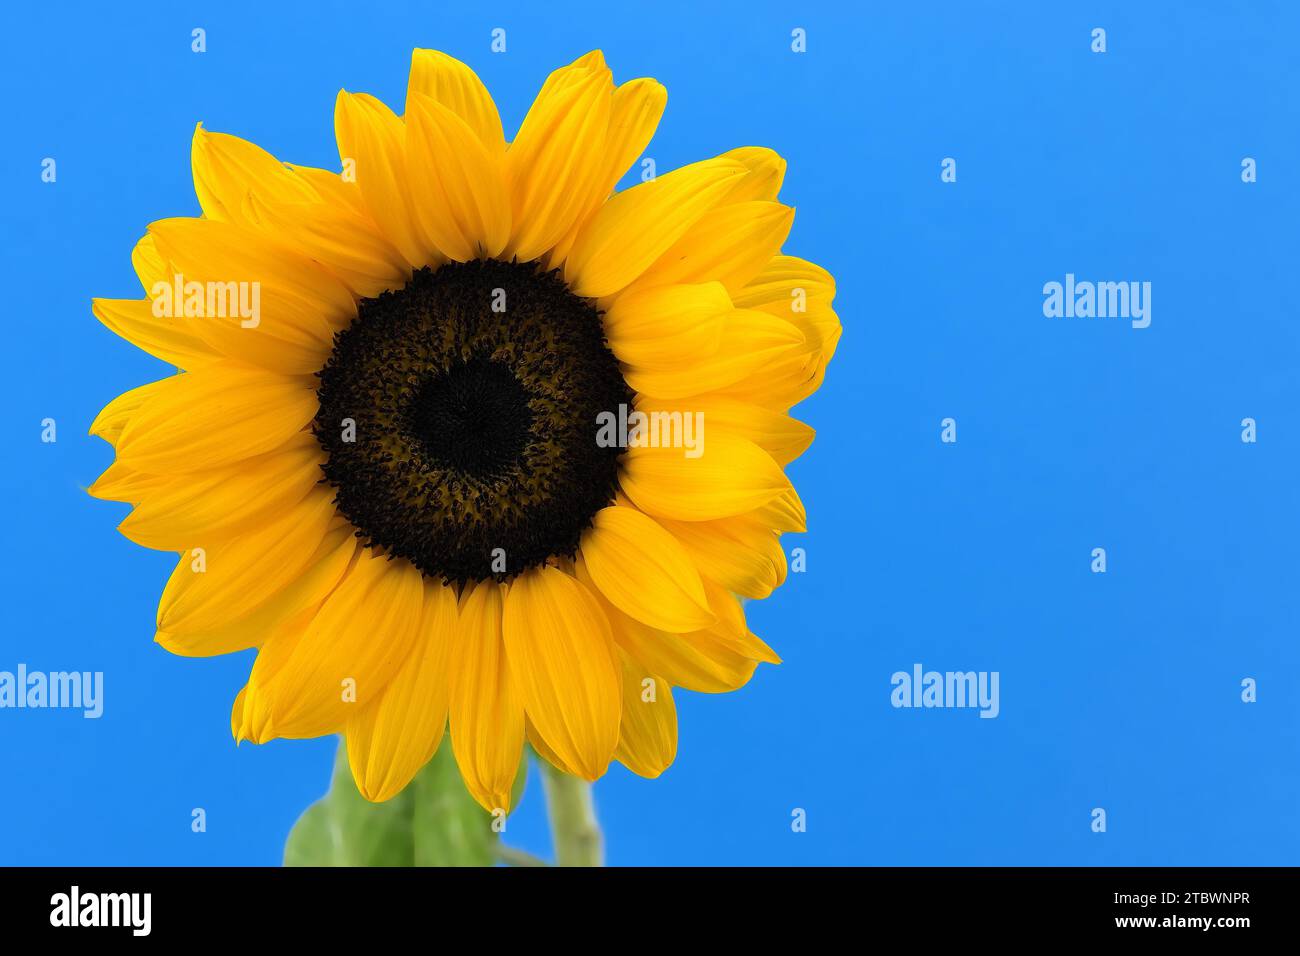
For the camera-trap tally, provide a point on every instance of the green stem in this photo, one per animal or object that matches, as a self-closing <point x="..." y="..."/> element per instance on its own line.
<point x="574" y="830"/>
<point x="513" y="857"/>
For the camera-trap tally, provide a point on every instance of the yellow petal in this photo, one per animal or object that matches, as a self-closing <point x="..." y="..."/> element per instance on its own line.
<point x="324" y="571"/>
<point x="218" y="504"/>
<point x="786" y="285"/>
<point x="227" y="168"/>
<point x="149" y="264"/>
<point x="782" y="437"/>
<point x="561" y="658"/>
<point x="164" y="338"/>
<point x="335" y="190"/>
<point x="354" y="646"/>
<point x="457" y="186"/>
<point x="487" y="712"/>
<point x="766" y="173"/>
<point x="392" y="738"/>
<point x="108" y="424"/>
<point x="237" y="713"/>
<point x="642" y="570"/>
<point x="337" y="236"/>
<point x="372" y="140"/>
<point x="251" y="719"/>
<point x="693" y="661"/>
<point x="732" y="476"/>
<point x="120" y="483"/>
<point x="802" y="292"/>
<point x="738" y="552"/>
<point x="732" y="631"/>
<point x="637" y="226"/>
<point x="667" y="326"/>
<point x="215" y="416"/>
<point x="543" y="749"/>
<point x="647" y="742"/>
<point x="555" y="167"/>
<point x="752" y="343"/>
<point x="785" y="512"/>
<point x="592" y="60"/>
<point x="730" y="244"/>
<point x="299" y="305"/>
<point x="697" y="661"/>
<point x="204" y="249"/>
<point x="226" y="582"/>
<point x="457" y="87"/>
<point x="790" y="378"/>
<point x="638" y="105"/>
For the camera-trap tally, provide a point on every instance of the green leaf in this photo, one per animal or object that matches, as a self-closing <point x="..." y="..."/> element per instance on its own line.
<point x="450" y="829"/>
<point x="433" y="822"/>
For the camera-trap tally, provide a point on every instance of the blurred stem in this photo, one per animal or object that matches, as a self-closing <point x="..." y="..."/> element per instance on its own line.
<point x="574" y="830"/>
<point x="513" y="857"/>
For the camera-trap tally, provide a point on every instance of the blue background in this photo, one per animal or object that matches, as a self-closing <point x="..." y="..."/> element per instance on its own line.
<point x="1119" y="690"/>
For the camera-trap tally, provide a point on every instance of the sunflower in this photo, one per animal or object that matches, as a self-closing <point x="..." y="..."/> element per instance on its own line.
<point x="386" y="475"/>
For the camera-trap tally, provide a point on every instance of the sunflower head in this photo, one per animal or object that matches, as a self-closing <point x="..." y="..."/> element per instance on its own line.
<point x="464" y="439"/>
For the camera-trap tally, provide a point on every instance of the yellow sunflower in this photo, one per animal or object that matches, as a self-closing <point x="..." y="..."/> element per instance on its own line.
<point x="464" y="439"/>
